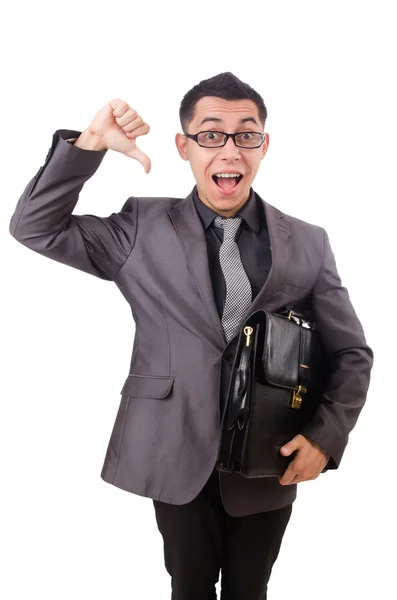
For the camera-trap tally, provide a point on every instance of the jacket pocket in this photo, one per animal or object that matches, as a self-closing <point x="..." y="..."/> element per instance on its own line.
<point x="147" y="386"/>
<point x="292" y="288"/>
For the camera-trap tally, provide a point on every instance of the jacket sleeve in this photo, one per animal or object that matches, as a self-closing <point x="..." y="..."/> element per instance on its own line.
<point x="350" y="357"/>
<point x="43" y="219"/>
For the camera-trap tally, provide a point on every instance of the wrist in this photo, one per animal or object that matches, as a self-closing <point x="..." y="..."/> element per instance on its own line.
<point x="90" y="141"/>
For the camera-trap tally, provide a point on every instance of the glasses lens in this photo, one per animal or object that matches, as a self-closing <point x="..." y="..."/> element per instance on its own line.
<point x="249" y="139"/>
<point x="210" y="139"/>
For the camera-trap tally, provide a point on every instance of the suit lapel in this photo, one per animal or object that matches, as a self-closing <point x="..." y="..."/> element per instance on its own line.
<point x="279" y="228"/>
<point x="192" y="236"/>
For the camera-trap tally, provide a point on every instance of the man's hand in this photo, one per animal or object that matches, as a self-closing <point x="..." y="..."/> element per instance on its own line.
<point x="116" y="127"/>
<point x="309" y="461"/>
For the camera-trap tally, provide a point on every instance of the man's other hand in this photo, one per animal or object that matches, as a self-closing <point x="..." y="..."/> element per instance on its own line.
<point x="307" y="464"/>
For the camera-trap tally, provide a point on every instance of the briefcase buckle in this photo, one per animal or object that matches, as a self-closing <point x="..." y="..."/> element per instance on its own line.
<point x="297" y="396"/>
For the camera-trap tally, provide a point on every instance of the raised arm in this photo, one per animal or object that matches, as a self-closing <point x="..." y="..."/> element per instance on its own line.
<point x="43" y="219"/>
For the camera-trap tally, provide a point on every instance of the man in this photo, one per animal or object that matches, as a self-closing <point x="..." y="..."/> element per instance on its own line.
<point x="193" y="270"/>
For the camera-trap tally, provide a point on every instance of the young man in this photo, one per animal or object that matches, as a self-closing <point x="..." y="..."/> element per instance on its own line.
<point x="193" y="270"/>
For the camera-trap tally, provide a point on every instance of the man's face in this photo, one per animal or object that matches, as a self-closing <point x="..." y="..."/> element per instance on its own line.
<point x="224" y="196"/>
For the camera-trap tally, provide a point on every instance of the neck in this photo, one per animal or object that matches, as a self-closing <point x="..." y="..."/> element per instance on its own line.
<point x="224" y="213"/>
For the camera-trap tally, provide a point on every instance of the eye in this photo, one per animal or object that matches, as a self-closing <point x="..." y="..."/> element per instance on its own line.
<point x="246" y="135"/>
<point x="212" y="135"/>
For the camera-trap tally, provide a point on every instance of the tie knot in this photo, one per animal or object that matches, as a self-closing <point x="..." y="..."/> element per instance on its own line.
<point x="230" y="226"/>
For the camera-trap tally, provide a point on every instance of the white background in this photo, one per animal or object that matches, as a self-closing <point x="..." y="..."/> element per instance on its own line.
<point x="327" y="74"/>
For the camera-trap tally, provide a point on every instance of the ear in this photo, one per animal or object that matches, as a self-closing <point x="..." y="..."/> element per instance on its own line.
<point x="265" y="145"/>
<point x="181" y="144"/>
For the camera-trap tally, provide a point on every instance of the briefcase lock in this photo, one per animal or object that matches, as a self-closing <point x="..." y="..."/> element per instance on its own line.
<point x="297" y="396"/>
<point x="248" y="333"/>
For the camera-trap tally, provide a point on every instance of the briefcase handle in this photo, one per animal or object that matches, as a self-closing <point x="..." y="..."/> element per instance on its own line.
<point x="301" y="318"/>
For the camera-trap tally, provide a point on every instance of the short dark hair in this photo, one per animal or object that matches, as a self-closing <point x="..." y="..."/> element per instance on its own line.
<point x="226" y="86"/>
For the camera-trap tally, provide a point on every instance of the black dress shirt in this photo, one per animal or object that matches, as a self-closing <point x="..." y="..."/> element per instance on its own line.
<point x="252" y="239"/>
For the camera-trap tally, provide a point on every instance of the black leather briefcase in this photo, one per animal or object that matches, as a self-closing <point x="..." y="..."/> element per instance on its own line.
<point x="278" y="378"/>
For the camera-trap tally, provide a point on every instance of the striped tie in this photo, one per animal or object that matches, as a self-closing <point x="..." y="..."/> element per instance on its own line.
<point x="238" y="287"/>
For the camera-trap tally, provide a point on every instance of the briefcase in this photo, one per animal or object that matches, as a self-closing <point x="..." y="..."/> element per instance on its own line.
<point x="279" y="375"/>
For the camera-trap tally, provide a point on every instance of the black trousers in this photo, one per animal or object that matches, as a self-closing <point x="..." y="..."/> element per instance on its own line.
<point x="201" y="539"/>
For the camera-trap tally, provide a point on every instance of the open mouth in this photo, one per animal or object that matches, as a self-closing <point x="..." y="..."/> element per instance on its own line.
<point x="227" y="183"/>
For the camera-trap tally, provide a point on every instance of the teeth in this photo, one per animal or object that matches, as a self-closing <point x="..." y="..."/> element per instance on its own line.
<point x="227" y="175"/>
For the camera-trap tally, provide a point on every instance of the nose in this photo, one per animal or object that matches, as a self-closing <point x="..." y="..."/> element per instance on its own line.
<point x="229" y="151"/>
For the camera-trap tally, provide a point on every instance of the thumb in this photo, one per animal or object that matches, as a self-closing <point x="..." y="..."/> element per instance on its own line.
<point x="140" y="157"/>
<point x="290" y="446"/>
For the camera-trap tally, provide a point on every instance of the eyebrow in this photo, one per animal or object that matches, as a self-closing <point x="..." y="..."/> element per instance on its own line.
<point x="218" y="120"/>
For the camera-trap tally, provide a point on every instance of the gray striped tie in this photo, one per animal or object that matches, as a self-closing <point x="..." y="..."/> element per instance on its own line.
<point x="238" y="287"/>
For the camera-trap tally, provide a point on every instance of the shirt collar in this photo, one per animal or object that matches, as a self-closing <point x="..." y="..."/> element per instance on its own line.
<point x="249" y="212"/>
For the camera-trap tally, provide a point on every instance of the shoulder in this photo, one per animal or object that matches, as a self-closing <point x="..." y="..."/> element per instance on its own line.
<point x="297" y="225"/>
<point x="147" y="203"/>
<point x="146" y="206"/>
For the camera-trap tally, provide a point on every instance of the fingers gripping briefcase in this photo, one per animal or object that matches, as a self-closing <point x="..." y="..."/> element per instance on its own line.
<point x="278" y="378"/>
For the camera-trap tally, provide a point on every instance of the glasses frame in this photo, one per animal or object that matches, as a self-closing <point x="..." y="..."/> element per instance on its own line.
<point x="228" y="135"/>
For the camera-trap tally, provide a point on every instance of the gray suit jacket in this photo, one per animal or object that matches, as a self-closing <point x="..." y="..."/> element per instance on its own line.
<point x="166" y="435"/>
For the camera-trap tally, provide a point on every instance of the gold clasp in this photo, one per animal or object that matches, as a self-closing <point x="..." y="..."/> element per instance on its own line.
<point x="248" y="332"/>
<point x="297" y="396"/>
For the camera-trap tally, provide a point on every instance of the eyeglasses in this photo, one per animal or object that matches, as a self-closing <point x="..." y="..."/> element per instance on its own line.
<point x="217" y="139"/>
